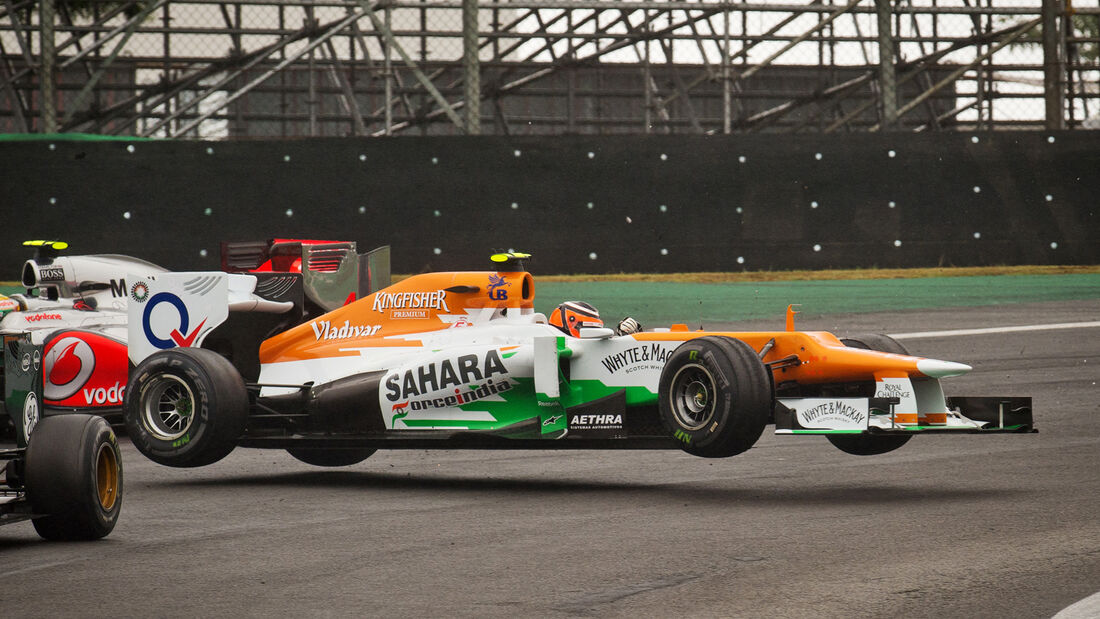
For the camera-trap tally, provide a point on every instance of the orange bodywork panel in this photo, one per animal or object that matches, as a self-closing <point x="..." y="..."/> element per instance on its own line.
<point x="414" y="305"/>
<point x="822" y="358"/>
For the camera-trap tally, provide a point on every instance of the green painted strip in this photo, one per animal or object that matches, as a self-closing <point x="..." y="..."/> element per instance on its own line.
<point x="662" y="303"/>
<point x="69" y="137"/>
<point x="586" y="390"/>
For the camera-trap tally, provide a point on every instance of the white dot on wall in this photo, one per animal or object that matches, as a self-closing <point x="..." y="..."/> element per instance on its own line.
<point x="515" y="206"/>
<point x="893" y="204"/>
<point x="664" y="157"/>
<point x="742" y="159"/>
<point x="53" y="200"/>
<point x="977" y="235"/>
<point x="435" y="160"/>
<point x="1049" y="197"/>
<point x="664" y="251"/>
<point x="1050" y="139"/>
<point x="817" y="247"/>
<point x="1054" y="246"/>
<point x="362" y="157"/>
<point x="897" y="243"/>
<point x="591" y="155"/>
<point x="974" y="139"/>
<point x="362" y="210"/>
<point x="629" y="220"/>
<point x="592" y="256"/>
<point x="290" y="212"/>
<point x="53" y="146"/>
<point x="591" y="206"/>
<point x="286" y="157"/>
<point x="977" y="189"/>
<point x="126" y="215"/>
<point x="662" y="208"/>
<point x="516" y="153"/>
<point x="437" y="251"/>
<point x="209" y="150"/>
<point x="202" y="253"/>
<point x="740" y="210"/>
<point x="436" y="213"/>
<point x="817" y="156"/>
<point x="892" y="154"/>
<point x="740" y="260"/>
<point x="813" y="204"/>
<point x="130" y="148"/>
<point x="208" y="211"/>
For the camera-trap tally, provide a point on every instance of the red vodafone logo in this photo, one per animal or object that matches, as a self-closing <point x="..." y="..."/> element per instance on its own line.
<point x="69" y="363"/>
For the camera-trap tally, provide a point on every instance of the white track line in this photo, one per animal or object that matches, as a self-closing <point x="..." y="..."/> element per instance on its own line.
<point x="1088" y="608"/>
<point x="1060" y="325"/>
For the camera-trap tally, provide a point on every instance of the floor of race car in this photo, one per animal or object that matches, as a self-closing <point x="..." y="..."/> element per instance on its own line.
<point x="947" y="526"/>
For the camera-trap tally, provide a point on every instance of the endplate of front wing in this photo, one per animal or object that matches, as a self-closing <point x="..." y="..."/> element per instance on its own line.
<point x="973" y="415"/>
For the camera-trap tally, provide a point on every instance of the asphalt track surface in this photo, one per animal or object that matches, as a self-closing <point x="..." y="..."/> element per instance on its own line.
<point x="948" y="526"/>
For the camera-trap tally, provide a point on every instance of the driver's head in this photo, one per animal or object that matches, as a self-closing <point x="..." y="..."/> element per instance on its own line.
<point x="572" y="315"/>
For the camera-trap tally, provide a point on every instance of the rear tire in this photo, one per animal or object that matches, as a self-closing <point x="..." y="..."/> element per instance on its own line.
<point x="715" y="396"/>
<point x="330" y="457"/>
<point x="74" y="477"/>
<point x="870" y="444"/>
<point x="186" y="407"/>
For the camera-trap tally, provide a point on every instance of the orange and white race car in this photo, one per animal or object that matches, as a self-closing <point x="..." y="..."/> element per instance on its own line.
<point x="462" y="360"/>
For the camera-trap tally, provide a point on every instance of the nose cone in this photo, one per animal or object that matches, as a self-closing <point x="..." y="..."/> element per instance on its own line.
<point x="934" y="368"/>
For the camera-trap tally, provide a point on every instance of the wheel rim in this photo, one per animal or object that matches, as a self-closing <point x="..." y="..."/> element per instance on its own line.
<point x="168" y="407"/>
<point x="692" y="396"/>
<point x="106" y="475"/>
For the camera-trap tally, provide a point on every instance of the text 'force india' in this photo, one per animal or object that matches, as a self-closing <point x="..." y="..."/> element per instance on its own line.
<point x="462" y="360"/>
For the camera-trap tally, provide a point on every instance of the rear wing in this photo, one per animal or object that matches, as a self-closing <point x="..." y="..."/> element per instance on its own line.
<point x="333" y="274"/>
<point x="167" y="310"/>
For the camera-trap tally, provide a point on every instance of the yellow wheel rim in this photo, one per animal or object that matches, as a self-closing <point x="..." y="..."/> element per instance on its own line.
<point x="106" y="473"/>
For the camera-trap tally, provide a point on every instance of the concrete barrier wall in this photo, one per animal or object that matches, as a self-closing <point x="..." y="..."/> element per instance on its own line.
<point x="580" y="204"/>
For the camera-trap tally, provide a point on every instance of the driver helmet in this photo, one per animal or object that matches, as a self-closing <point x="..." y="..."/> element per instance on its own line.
<point x="570" y="316"/>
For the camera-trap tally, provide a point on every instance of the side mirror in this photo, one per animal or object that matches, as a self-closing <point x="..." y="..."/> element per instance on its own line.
<point x="596" y="333"/>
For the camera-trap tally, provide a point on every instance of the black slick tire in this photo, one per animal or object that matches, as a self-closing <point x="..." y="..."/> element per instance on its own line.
<point x="330" y="457"/>
<point x="715" y="396"/>
<point x="870" y="444"/>
<point x="74" y="477"/>
<point x="185" y="407"/>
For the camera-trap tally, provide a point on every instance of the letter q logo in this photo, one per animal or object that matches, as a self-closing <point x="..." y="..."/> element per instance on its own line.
<point x="177" y="336"/>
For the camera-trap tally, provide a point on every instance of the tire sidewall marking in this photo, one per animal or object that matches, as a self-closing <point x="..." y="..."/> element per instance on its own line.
<point x="706" y="359"/>
<point x="200" y="410"/>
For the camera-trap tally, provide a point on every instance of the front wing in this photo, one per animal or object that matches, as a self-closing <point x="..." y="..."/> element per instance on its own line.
<point x="876" y="416"/>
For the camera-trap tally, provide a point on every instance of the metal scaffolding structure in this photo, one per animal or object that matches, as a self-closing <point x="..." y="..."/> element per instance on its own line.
<point x="275" y="68"/>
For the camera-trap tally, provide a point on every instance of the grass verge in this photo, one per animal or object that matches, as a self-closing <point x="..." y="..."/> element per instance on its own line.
<point x="830" y="275"/>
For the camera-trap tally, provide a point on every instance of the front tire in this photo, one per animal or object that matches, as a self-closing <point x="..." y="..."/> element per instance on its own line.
<point x="870" y="444"/>
<point x="715" y="396"/>
<point x="330" y="457"/>
<point x="186" y="407"/>
<point x="74" y="477"/>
